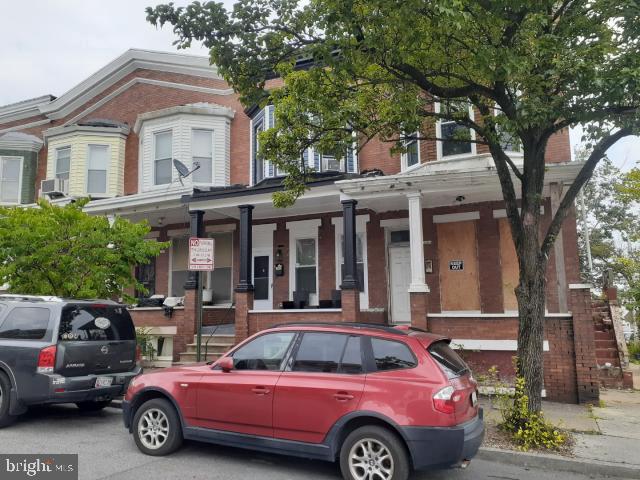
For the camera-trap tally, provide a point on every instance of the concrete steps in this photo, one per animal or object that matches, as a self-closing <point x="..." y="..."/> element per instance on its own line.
<point x="214" y="345"/>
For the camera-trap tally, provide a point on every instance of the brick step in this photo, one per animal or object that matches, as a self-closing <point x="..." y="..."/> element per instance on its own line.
<point x="606" y="344"/>
<point x="227" y="339"/>
<point x="190" y="357"/>
<point x="211" y="348"/>
<point x="607" y="353"/>
<point x="600" y="335"/>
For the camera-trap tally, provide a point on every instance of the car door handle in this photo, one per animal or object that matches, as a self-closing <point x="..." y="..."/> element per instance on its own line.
<point x="260" y="390"/>
<point x="343" y="396"/>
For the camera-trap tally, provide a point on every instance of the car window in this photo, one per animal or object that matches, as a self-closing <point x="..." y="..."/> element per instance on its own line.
<point x="352" y="357"/>
<point x="26" y="323"/>
<point x="320" y="352"/>
<point x="96" y="322"/>
<point x="449" y="361"/>
<point x="391" y="355"/>
<point x="263" y="353"/>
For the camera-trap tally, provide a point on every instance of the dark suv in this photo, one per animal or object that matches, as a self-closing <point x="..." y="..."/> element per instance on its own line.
<point x="55" y="350"/>
<point x="379" y="400"/>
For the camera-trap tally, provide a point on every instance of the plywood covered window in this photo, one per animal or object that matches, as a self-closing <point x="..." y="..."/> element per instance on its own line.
<point x="509" y="265"/>
<point x="458" y="257"/>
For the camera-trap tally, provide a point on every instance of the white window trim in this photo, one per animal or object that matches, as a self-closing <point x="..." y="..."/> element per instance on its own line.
<point x="213" y="155"/>
<point x="154" y="134"/>
<point x="300" y="230"/>
<point x="473" y="152"/>
<point x="404" y="157"/>
<point x="361" y="229"/>
<point x="2" y="157"/>
<point x="108" y="169"/>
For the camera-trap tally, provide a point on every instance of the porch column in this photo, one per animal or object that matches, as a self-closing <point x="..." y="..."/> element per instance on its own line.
<point x="418" y="288"/>
<point x="558" y="250"/>
<point x="350" y="286"/>
<point x="244" y="289"/>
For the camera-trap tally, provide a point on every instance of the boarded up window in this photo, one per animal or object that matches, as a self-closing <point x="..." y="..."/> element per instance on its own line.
<point x="509" y="263"/>
<point x="458" y="257"/>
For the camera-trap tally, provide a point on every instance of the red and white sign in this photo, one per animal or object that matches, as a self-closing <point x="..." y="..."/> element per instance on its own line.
<point x="201" y="253"/>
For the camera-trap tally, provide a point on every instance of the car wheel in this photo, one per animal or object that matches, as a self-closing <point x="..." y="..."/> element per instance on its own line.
<point x="93" y="406"/>
<point x="156" y="428"/>
<point x="373" y="453"/>
<point x="6" y="418"/>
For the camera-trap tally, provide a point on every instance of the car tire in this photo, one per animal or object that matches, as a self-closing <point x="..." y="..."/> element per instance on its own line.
<point x="156" y="427"/>
<point x="375" y="450"/>
<point x="6" y="418"/>
<point x="92" y="406"/>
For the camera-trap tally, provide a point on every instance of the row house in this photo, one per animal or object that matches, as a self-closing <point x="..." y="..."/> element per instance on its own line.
<point x="419" y="237"/>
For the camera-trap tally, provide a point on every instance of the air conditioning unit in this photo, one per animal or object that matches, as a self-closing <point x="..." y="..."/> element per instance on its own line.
<point x="54" y="187"/>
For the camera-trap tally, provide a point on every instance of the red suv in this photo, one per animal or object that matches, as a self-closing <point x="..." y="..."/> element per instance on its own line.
<point x="380" y="399"/>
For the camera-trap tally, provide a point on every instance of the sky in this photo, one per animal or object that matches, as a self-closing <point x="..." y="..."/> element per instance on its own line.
<point x="48" y="47"/>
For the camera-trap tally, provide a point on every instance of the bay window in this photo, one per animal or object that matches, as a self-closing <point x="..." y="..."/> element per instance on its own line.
<point x="10" y="176"/>
<point x="63" y="163"/>
<point x="202" y="155"/>
<point x="452" y="133"/>
<point x="162" y="149"/>
<point x="97" y="165"/>
<point x="411" y="155"/>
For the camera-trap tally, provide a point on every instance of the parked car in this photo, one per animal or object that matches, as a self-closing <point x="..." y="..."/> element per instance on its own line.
<point x="54" y="350"/>
<point x="380" y="400"/>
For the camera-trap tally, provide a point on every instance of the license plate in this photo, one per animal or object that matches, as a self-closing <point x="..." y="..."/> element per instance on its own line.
<point x="474" y="399"/>
<point x="104" y="382"/>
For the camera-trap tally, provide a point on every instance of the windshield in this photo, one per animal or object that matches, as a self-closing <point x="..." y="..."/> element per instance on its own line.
<point x="450" y="362"/>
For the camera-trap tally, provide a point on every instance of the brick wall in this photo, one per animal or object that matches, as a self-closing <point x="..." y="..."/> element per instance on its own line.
<point x="584" y="344"/>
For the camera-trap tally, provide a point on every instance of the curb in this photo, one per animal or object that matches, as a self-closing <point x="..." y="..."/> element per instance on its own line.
<point x="555" y="462"/>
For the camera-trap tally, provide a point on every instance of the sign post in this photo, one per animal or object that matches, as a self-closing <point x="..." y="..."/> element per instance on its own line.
<point x="201" y="254"/>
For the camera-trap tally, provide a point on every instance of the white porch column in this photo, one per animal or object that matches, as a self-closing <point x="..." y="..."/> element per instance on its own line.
<point x="418" y="282"/>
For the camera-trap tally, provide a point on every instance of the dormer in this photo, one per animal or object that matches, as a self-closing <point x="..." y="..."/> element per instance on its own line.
<point x="196" y="134"/>
<point x="86" y="159"/>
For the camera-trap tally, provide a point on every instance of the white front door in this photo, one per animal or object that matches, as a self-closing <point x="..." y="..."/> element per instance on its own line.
<point x="262" y="280"/>
<point x="400" y="279"/>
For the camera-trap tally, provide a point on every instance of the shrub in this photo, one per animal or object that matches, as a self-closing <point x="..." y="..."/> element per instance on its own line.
<point x="528" y="429"/>
<point x="145" y="342"/>
<point x="634" y="351"/>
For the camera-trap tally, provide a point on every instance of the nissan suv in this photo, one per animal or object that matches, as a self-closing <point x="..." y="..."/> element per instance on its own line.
<point x="54" y="350"/>
<point x="379" y="400"/>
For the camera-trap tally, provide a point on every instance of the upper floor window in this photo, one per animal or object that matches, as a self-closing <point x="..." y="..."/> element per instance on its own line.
<point x="63" y="163"/>
<point x="452" y="133"/>
<point x="508" y="141"/>
<point x="202" y="155"/>
<point x="262" y="168"/>
<point x="411" y="155"/>
<point x="331" y="161"/>
<point x="97" y="165"/>
<point x="10" y="179"/>
<point x="163" y="142"/>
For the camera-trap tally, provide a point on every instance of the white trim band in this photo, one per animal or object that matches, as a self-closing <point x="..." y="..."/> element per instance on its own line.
<point x="456" y="217"/>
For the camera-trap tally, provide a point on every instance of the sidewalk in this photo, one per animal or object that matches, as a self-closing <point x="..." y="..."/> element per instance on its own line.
<point x="607" y="437"/>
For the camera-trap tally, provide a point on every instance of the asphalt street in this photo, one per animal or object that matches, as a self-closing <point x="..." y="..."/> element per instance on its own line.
<point x="107" y="451"/>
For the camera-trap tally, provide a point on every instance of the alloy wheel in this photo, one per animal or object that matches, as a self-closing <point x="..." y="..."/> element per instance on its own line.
<point x="370" y="459"/>
<point x="153" y="428"/>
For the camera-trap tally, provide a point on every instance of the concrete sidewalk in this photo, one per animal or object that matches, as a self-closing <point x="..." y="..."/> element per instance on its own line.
<point x="607" y="437"/>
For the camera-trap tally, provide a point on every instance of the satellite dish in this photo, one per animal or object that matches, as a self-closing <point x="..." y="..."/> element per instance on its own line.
<point x="183" y="171"/>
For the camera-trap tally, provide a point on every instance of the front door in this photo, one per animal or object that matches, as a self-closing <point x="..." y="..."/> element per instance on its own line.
<point x="400" y="279"/>
<point x="242" y="400"/>
<point x="262" y="281"/>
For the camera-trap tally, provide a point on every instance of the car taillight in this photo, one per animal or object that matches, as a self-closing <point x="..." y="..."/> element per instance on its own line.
<point x="47" y="359"/>
<point x="444" y="400"/>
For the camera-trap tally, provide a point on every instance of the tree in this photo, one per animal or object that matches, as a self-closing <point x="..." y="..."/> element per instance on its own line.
<point x="611" y="220"/>
<point x="380" y="67"/>
<point x="64" y="251"/>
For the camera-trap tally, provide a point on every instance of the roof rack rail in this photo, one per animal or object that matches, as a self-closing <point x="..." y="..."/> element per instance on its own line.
<point x="30" y="298"/>
<point x="372" y="326"/>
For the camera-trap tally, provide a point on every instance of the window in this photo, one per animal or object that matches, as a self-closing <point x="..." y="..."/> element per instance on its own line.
<point x="328" y="161"/>
<point x="264" y="353"/>
<point x="78" y="322"/>
<point x="508" y="141"/>
<point x="97" y="165"/>
<point x="202" y="155"/>
<point x="448" y="360"/>
<point x="400" y="236"/>
<point x="328" y="353"/>
<point x="10" y="173"/>
<point x="25" y="323"/>
<point x="179" y="264"/>
<point x="163" y="152"/>
<point x="262" y="168"/>
<point x="219" y="280"/>
<point x="411" y="156"/>
<point x="451" y="132"/>
<point x="306" y="265"/>
<point x="146" y="275"/>
<point x="359" y="259"/>
<point x="63" y="163"/>
<point x="391" y="355"/>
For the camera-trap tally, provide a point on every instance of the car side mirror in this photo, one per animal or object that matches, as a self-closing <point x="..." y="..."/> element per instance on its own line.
<point x="225" y="364"/>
